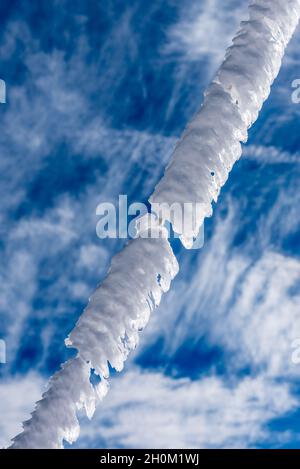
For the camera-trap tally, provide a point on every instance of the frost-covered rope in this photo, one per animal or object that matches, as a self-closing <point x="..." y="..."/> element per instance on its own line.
<point x="120" y="307"/>
<point x="105" y="333"/>
<point x="211" y="143"/>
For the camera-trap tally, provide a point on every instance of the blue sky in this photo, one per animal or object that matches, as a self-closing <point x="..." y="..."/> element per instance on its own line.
<point x="97" y="94"/>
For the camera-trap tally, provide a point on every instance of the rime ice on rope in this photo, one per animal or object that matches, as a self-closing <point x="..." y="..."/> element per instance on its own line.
<point x="105" y="333"/>
<point x="120" y="307"/>
<point x="211" y="142"/>
<point x="54" y="418"/>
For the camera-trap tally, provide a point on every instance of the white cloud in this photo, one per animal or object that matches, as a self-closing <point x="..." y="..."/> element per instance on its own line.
<point x="263" y="322"/>
<point x="150" y="410"/>
<point x="270" y="155"/>
<point x="17" y="289"/>
<point x="17" y="398"/>
<point x="205" y="30"/>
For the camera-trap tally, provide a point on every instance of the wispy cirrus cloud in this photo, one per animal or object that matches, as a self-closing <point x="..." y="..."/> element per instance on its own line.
<point x="205" y="30"/>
